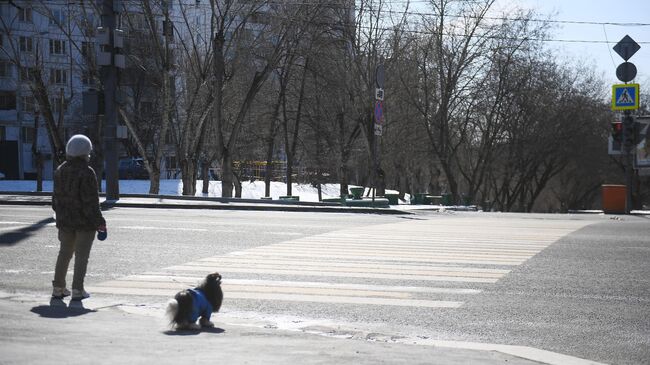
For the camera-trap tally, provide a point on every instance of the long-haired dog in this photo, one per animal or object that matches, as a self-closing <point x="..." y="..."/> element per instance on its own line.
<point x="191" y="304"/>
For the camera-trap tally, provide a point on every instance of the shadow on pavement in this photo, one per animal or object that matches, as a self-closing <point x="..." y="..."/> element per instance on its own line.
<point x="13" y="237"/>
<point x="58" y="309"/>
<point x="193" y="333"/>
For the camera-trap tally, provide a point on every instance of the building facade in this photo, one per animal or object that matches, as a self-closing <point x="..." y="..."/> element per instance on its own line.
<point x="37" y="54"/>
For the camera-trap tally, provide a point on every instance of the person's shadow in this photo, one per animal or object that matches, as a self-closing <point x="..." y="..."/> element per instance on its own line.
<point x="58" y="309"/>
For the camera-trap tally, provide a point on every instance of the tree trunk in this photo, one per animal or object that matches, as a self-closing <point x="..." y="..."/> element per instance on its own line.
<point x="188" y="171"/>
<point x="205" y="172"/>
<point x="451" y="180"/>
<point x="289" y="174"/>
<point x="268" y="170"/>
<point x="270" y="143"/>
<point x="154" y="184"/>
<point x="226" y="174"/>
<point x="343" y="179"/>
<point x="237" y="183"/>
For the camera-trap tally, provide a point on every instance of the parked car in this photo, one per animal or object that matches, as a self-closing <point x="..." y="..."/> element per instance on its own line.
<point x="132" y="168"/>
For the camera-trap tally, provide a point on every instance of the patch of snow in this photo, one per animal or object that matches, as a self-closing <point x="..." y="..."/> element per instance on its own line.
<point x="250" y="190"/>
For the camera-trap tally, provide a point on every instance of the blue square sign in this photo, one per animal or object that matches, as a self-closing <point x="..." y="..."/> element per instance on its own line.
<point x="625" y="96"/>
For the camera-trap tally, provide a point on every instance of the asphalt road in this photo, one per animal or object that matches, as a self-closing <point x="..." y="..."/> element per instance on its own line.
<point x="578" y="285"/>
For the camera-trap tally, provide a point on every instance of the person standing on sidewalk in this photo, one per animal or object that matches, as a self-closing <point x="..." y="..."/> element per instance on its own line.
<point x="76" y="204"/>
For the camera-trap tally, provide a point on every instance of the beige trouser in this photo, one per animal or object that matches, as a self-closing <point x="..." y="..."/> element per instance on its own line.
<point x="77" y="243"/>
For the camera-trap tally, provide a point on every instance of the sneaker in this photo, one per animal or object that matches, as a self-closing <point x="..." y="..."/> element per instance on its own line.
<point x="59" y="292"/>
<point x="79" y="294"/>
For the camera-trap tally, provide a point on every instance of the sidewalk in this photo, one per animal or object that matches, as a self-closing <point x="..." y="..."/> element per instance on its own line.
<point x="36" y="331"/>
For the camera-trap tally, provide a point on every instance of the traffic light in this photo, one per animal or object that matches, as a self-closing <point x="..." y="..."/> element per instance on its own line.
<point x="617" y="131"/>
<point x="629" y="131"/>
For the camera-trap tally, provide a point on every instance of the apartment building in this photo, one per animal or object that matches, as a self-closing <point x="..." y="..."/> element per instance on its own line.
<point x="42" y="48"/>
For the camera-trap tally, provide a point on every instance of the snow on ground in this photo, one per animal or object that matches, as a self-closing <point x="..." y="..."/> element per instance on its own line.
<point x="250" y="190"/>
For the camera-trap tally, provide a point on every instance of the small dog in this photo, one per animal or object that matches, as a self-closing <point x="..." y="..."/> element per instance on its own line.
<point x="191" y="304"/>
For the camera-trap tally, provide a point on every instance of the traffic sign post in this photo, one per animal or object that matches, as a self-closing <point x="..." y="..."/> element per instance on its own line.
<point x="377" y="176"/>
<point x="625" y="97"/>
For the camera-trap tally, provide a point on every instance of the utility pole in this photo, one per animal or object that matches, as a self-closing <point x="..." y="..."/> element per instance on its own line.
<point x="108" y="40"/>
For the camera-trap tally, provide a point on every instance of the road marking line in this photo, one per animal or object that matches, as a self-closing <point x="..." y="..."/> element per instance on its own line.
<point x="324" y="273"/>
<point x="348" y="300"/>
<point x="392" y="252"/>
<point x="191" y="281"/>
<point x="488" y="242"/>
<point x="401" y="258"/>
<point x="409" y="247"/>
<point x="218" y="260"/>
<point x="299" y="268"/>
<point x="163" y="228"/>
<point x="287" y="297"/>
<point x="279" y="289"/>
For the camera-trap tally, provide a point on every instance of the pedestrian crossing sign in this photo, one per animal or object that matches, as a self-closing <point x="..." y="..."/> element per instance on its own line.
<point x="625" y="96"/>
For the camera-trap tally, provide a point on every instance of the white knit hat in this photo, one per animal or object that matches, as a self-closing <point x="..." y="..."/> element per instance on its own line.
<point x="78" y="145"/>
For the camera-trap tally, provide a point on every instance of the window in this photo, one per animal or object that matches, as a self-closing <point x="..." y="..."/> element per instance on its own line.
<point x="87" y="79"/>
<point x="170" y="162"/>
<point x="57" y="46"/>
<point x="137" y="22"/>
<point x="3" y="132"/>
<point x="55" y="104"/>
<point x="146" y="108"/>
<point x="27" y="74"/>
<point x="58" y="17"/>
<point x="27" y="134"/>
<point x="169" y="139"/>
<point x="87" y="23"/>
<point x="25" y="44"/>
<point x="25" y="15"/>
<point x="87" y="49"/>
<point x="58" y="76"/>
<point x="5" y="68"/>
<point x="7" y="100"/>
<point x="27" y="104"/>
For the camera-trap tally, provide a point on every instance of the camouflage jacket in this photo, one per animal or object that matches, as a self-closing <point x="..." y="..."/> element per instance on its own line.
<point x="75" y="199"/>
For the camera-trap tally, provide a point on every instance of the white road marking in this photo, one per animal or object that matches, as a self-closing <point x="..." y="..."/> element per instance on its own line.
<point x="190" y="281"/>
<point x="445" y="251"/>
<point x="163" y="228"/>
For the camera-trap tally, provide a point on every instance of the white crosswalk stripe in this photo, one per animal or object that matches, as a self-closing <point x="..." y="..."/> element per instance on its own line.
<point x="433" y="263"/>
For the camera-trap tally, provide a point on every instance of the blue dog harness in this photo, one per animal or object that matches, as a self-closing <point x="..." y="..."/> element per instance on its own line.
<point x="200" y="305"/>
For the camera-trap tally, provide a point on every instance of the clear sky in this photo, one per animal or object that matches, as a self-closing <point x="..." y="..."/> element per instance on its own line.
<point x="600" y="55"/>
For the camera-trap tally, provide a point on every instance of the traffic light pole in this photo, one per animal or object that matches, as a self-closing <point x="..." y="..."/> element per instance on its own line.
<point x="628" y="143"/>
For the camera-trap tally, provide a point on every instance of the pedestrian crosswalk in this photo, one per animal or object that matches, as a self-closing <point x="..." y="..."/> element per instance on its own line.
<point x="430" y="263"/>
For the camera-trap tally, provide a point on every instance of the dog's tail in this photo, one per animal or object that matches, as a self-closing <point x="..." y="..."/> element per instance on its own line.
<point x="179" y="309"/>
<point x="171" y="311"/>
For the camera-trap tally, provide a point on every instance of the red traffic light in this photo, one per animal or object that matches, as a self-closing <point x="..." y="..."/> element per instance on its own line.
<point x="617" y="131"/>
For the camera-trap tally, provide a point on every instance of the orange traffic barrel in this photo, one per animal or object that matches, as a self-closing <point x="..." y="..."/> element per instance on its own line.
<point x="614" y="197"/>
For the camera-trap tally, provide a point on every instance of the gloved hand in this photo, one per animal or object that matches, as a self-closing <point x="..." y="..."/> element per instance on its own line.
<point x="102" y="233"/>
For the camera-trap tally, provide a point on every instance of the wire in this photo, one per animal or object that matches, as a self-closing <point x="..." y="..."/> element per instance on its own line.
<point x="413" y="31"/>
<point x="342" y="6"/>
<point x="609" y="48"/>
